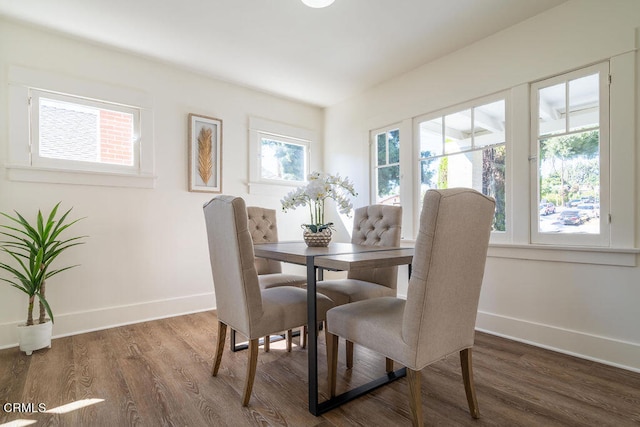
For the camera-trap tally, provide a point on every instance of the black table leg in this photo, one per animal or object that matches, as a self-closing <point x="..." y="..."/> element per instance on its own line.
<point x="312" y="342"/>
<point x="315" y="407"/>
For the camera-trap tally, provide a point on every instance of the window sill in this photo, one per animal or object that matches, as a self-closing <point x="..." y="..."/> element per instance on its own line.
<point x="58" y="176"/>
<point x="625" y="257"/>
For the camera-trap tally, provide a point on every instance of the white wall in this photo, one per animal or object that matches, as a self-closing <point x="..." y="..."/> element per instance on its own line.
<point x="583" y="309"/>
<point x="146" y="256"/>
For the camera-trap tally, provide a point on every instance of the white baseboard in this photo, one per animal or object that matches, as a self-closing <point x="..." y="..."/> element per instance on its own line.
<point x="110" y="317"/>
<point x="609" y="351"/>
<point x="621" y="354"/>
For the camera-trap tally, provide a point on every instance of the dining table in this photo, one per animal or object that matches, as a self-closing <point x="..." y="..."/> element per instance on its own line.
<point x="334" y="257"/>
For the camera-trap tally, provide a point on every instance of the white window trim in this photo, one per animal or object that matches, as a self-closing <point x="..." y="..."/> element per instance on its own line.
<point x="406" y="172"/>
<point x="622" y="250"/>
<point x="622" y="257"/>
<point x="406" y="199"/>
<point x="19" y="166"/>
<point x="565" y="239"/>
<point x="287" y="140"/>
<point x="259" y="127"/>
<point x="622" y="127"/>
<point x="92" y="166"/>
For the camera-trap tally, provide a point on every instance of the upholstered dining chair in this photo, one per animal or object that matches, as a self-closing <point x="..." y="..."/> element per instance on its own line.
<point x="241" y="304"/>
<point x="438" y="317"/>
<point x="263" y="227"/>
<point x="374" y="225"/>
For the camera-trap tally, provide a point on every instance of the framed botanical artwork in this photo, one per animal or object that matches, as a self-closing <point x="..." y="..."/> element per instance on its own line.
<point x="205" y="154"/>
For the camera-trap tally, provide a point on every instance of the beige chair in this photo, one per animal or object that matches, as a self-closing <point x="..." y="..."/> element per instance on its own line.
<point x="375" y="225"/>
<point x="241" y="304"/>
<point x="263" y="227"/>
<point x="438" y="317"/>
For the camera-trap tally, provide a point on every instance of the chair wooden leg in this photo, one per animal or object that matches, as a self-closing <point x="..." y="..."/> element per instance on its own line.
<point x="252" y="363"/>
<point x="289" y="340"/>
<point x="415" y="397"/>
<point x="332" y="361"/>
<point x="303" y="337"/>
<point x="222" y="337"/>
<point x="267" y="343"/>
<point x="388" y="364"/>
<point x="467" y="378"/>
<point x="349" y="352"/>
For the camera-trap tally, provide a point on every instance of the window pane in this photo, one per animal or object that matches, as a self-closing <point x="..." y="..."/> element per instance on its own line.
<point x="387" y="171"/>
<point x="552" y="110"/>
<point x="78" y="132"/>
<point x="569" y="165"/>
<point x="382" y="149"/>
<point x="433" y="174"/>
<point x="458" y="128"/>
<point x="282" y="161"/>
<point x="584" y="112"/>
<point x="431" y="139"/>
<point x="387" y="166"/>
<point x="467" y="149"/>
<point x="394" y="146"/>
<point x="570" y="178"/>
<point x="489" y="124"/>
<point x="388" y="192"/>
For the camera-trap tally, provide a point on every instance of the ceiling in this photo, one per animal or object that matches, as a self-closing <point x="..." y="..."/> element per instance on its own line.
<point x="317" y="56"/>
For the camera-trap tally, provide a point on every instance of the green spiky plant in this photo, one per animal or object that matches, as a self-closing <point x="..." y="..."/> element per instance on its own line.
<point x="34" y="248"/>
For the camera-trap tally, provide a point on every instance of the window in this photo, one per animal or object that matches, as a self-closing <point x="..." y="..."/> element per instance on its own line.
<point x="570" y="144"/>
<point x="76" y="133"/>
<point x="279" y="155"/>
<point x="73" y="131"/>
<point x="386" y="161"/>
<point x="466" y="147"/>
<point x="558" y="155"/>
<point x="282" y="158"/>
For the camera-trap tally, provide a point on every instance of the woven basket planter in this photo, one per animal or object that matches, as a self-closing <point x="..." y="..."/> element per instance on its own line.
<point x="319" y="239"/>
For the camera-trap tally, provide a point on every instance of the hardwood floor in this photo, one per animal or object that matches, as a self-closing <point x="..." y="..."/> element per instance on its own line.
<point x="159" y="373"/>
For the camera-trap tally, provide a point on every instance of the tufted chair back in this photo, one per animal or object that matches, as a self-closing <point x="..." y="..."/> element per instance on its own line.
<point x="263" y="229"/>
<point x="377" y="225"/>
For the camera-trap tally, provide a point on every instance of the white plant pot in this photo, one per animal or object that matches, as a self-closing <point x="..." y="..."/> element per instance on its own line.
<point x="35" y="337"/>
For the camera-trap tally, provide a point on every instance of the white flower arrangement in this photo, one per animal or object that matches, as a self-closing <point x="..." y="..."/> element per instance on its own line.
<point x="319" y="188"/>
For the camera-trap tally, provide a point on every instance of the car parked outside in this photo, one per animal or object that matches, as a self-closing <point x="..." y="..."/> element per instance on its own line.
<point x="573" y="203"/>
<point x="572" y="217"/>
<point x="547" y="208"/>
<point x="590" y="209"/>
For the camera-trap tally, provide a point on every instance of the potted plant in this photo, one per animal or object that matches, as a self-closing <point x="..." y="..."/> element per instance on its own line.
<point x="31" y="249"/>
<point x="319" y="188"/>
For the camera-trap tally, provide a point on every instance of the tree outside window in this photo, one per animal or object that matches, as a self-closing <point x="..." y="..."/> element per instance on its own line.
<point x="282" y="160"/>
